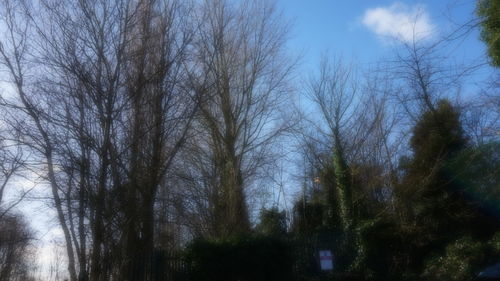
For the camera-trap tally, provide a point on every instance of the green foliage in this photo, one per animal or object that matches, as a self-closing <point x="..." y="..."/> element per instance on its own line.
<point x="244" y="258"/>
<point x="445" y="208"/>
<point x="479" y="174"/>
<point x="380" y="243"/>
<point x="433" y="205"/>
<point x="344" y="188"/>
<point x="307" y="217"/>
<point x="353" y="240"/>
<point x="489" y="12"/>
<point x="272" y="222"/>
<point x="461" y="261"/>
<point x="329" y="198"/>
<point x="438" y="135"/>
<point x="494" y="244"/>
<point x="430" y="193"/>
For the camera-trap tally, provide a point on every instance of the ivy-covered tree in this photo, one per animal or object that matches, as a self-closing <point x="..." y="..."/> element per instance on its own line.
<point x="333" y="91"/>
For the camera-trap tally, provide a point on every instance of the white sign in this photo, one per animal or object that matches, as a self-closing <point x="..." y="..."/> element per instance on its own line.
<point x="326" y="260"/>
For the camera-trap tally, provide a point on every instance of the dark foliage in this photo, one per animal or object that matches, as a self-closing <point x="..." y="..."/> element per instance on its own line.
<point x="15" y="242"/>
<point x="244" y="258"/>
<point x="488" y="11"/>
<point x="433" y="203"/>
<point x="272" y="222"/>
<point x="437" y="207"/>
<point x="307" y="217"/>
<point x="437" y="223"/>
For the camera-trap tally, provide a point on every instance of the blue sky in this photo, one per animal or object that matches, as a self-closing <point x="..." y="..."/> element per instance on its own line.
<point x="358" y="30"/>
<point x="344" y="27"/>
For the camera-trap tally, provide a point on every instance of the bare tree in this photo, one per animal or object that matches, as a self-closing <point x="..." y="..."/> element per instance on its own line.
<point x="12" y="161"/>
<point x="15" y="251"/>
<point x="13" y="51"/>
<point x="242" y="70"/>
<point x="334" y="92"/>
<point x="104" y="107"/>
<point x="354" y="136"/>
<point x="481" y="114"/>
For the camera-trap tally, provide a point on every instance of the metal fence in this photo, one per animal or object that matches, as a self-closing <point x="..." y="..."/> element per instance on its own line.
<point x="172" y="266"/>
<point x="167" y="266"/>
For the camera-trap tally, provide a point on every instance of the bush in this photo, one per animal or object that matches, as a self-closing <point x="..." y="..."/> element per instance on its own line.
<point x="246" y="258"/>
<point x="461" y="261"/>
<point x="494" y="244"/>
<point x="272" y="222"/>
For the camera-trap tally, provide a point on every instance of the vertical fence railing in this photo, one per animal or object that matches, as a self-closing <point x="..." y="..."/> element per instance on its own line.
<point x="168" y="266"/>
<point x="162" y="265"/>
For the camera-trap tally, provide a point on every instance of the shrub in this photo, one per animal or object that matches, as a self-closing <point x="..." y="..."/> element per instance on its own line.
<point x="494" y="243"/>
<point x="272" y="222"/>
<point x="245" y="258"/>
<point x="461" y="261"/>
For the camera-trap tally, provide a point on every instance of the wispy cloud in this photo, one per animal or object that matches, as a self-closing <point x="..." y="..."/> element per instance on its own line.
<point x="400" y="22"/>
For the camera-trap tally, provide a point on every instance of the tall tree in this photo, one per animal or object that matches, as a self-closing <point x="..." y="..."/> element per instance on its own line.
<point x="334" y="91"/>
<point x="15" y="252"/>
<point x="242" y="70"/>
<point x="435" y="206"/>
<point x="105" y="108"/>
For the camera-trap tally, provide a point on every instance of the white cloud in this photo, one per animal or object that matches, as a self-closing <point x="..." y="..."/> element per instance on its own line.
<point x="400" y="22"/>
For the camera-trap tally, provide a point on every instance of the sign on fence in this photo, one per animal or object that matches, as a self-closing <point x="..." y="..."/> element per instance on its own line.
<point x="326" y="260"/>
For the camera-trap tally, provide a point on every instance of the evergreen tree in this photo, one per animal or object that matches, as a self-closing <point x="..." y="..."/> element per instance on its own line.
<point x="489" y="12"/>
<point x="436" y="210"/>
<point x="437" y="138"/>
